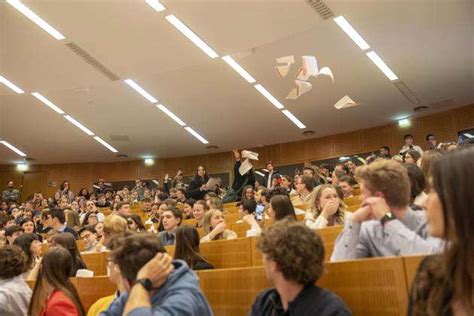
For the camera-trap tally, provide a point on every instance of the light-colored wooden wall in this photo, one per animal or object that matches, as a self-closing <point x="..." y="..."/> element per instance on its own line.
<point x="444" y="125"/>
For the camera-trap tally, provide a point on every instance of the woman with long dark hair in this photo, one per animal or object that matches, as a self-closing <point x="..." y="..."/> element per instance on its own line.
<point x="280" y="207"/>
<point x="68" y="242"/>
<point x="135" y="224"/>
<point x="187" y="248"/>
<point x="196" y="188"/>
<point x="444" y="284"/>
<point x="54" y="294"/>
<point x="31" y="246"/>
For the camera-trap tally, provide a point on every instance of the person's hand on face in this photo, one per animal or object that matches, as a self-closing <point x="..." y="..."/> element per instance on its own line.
<point x="219" y="228"/>
<point x="363" y="214"/>
<point x="330" y="208"/>
<point x="378" y="206"/>
<point x="157" y="269"/>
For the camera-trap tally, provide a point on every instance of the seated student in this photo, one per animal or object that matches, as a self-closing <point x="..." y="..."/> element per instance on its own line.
<point x="187" y="248"/>
<point x="280" y="207"/>
<point x="123" y="209"/>
<point x="444" y="283"/>
<point x="54" y="294"/>
<point x="91" y="209"/>
<point x="135" y="224"/>
<point x="409" y="144"/>
<point x="172" y="218"/>
<point x="29" y="227"/>
<point x="215" y="227"/>
<point x="188" y="208"/>
<point x="384" y="225"/>
<point x="114" y="226"/>
<point x="199" y="210"/>
<point x="293" y="272"/>
<point x="102" y="201"/>
<point x="31" y="247"/>
<point x="68" y="242"/>
<point x="154" y="284"/>
<point x="247" y="213"/>
<point x="180" y="195"/>
<point x="411" y="156"/>
<point x="347" y="183"/>
<point x="304" y="187"/>
<point x="146" y="205"/>
<point x="417" y="186"/>
<point x="15" y="294"/>
<point x="88" y="235"/>
<point x="57" y="221"/>
<point x="328" y="209"/>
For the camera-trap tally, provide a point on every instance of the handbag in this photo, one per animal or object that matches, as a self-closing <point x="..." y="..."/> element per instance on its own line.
<point x="231" y="194"/>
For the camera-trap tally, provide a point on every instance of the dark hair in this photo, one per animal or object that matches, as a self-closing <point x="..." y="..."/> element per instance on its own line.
<point x="87" y="228"/>
<point x="68" y="242"/>
<point x="244" y="197"/>
<point x="24" y="241"/>
<point x="59" y="214"/>
<point x="134" y="251"/>
<point x="12" y="229"/>
<point x="62" y="184"/>
<point x="55" y="270"/>
<point x="427" y="138"/>
<point x="249" y="205"/>
<point x="417" y="180"/>
<point x="162" y="196"/>
<point x="146" y="200"/>
<point x="12" y="262"/>
<point x="386" y="148"/>
<point x="190" y="202"/>
<point x="413" y="153"/>
<point x="350" y="180"/>
<point x="269" y="163"/>
<point x="187" y="245"/>
<point x="177" y="213"/>
<point x="138" y="221"/>
<point x="121" y="204"/>
<point x="309" y="168"/>
<point x="308" y="182"/>
<point x="408" y="136"/>
<point x="282" y="207"/>
<point x="296" y="249"/>
<point x="198" y="178"/>
<point x="181" y="190"/>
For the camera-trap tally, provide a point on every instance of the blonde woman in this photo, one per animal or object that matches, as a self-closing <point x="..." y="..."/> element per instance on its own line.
<point x="327" y="210"/>
<point x="215" y="227"/>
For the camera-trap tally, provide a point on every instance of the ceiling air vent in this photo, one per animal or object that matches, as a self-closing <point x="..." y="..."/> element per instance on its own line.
<point x="212" y="147"/>
<point x="321" y="8"/>
<point x="120" y="138"/>
<point x="409" y="95"/>
<point x="122" y="156"/>
<point x="308" y="133"/>
<point x="92" y="61"/>
<point x="420" y="108"/>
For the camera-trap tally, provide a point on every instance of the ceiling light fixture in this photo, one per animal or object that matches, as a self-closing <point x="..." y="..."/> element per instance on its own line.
<point x="351" y="32"/>
<point x="140" y="90"/>
<point x="105" y="144"/>
<point x="149" y="161"/>
<point x="468" y="135"/>
<point x="13" y="148"/>
<point x="22" y="167"/>
<point x="191" y="35"/>
<point x="11" y="85"/>
<point x="79" y="125"/>
<point x="48" y="103"/>
<point x="155" y="4"/>
<point x="404" y="122"/>
<point x="195" y="134"/>
<point x="36" y="19"/>
<point x="269" y="97"/>
<point x="293" y="119"/>
<point x="232" y="63"/>
<point x="382" y="66"/>
<point x="170" y="114"/>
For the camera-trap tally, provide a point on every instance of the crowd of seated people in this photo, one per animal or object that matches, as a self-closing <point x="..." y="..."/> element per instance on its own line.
<point x="416" y="202"/>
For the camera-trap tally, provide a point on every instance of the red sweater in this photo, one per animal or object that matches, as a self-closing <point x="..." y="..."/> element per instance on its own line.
<point x="58" y="304"/>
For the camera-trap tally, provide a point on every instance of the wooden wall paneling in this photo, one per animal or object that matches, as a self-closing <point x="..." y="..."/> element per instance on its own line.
<point x="398" y="132"/>
<point x="32" y="182"/>
<point x="374" y="138"/>
<point x="463" y="118"/>
<point x="221" y="162"/>
<point x="274" y="154"/>
<point x="293" y="152"/>
<point x="347" y="143"/>
<point x="441" y="125"/>
<point x="318" y="148"/>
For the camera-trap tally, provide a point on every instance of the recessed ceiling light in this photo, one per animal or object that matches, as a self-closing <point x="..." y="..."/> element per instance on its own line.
<point x="420" y="108"/>
<point x="155" y="4"/>
<point x="48" y="103"/>
<point x="149" y="161"/>
<point x="293" y="118"/>
<point x="191" y="35"/>
<point x="36" y="19"/>
<point x="195" y="134"/>
<point x="268" y="96"/>
<point x="382" y="66"/>
<point x="351" y="32"/>
<point x="13" y="148"/>
<point x="170" y="114"/>
<point x="140" y="90"/>
<point x="77" y="124"/>
<point x="104" y="143"/>
<point x="11" y="85"/>
<point x="212" y="147"/>
<point x="308" y="133"/>
<point x="22" y="167"/>
<point x="232" y="63"/>
<point x="404" y="122"/>
<point x="122" y="156"/>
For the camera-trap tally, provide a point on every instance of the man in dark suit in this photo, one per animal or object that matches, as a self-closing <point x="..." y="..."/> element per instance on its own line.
<point x="269" y="176"/>
<point x="57" y="221"/>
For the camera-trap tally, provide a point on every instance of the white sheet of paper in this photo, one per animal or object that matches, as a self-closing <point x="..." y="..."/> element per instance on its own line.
<point x="293" y="95"/>
<point x="302" y="87"/>
<point x="327" y="72"/>
<point x="245" y="166"/>
<point x="345" y="102"/>
<point x="249" y="154"/>
<point x="282" y="71"/>
<point x="211" y="183"/>
<point x="286" y="60"/>
<point x="310" y="65"/>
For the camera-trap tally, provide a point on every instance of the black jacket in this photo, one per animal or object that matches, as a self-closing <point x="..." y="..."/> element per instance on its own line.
<point x="239" y="180"/>
<point x="194" y="189"/>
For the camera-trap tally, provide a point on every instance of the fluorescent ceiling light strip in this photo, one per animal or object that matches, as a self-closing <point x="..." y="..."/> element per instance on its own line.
<point x="11" y="85"/>
<point x="382" y="66"/>
<point x="293" y="119"/>
<point x="231" y="62"/>
<point x="191" y="36"/>
<point x="36" y="19"/>
<point x="468" y="135"/>
<point x="269" y="97"/>
<point x="351" y="32"/>
<point x="13" y="148"/>
<point x="76" y="123"/>
<point x="195" y="134"/>
<point x="155" y="4"/>
<point x="140" y="90"/>
<point x="104" y="143"/>
<point x="170" y="114"/>
<point x="48" y="103"/>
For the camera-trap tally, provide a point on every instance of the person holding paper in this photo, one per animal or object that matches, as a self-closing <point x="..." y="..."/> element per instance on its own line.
<point x="197" y="186"/>
<point x="243" y="171"/>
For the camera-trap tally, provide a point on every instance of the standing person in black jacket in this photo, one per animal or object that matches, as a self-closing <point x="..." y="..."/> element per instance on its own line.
<point x="240" y="181"/>
<point x="197" y="186"/>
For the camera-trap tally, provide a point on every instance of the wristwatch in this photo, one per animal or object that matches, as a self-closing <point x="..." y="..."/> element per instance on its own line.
<point x="146" y="283"/>
<point x="387" y="217"/>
